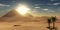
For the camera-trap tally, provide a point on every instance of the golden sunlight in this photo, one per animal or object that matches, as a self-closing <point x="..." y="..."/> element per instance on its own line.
<point x="22" y="10"/>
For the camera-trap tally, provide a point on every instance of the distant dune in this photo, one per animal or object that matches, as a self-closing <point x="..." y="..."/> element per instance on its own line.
<point x="14" y="16"/>
<point x="13" y="21"/>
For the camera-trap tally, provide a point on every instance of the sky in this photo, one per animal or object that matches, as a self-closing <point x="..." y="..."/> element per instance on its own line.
<point x="38" y="7"/>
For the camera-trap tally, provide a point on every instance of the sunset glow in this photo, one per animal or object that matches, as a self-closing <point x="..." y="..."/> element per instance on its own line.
<point x="22" y="10"/>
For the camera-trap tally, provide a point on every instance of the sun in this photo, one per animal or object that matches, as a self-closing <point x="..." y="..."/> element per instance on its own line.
<point x="22" y="10"/>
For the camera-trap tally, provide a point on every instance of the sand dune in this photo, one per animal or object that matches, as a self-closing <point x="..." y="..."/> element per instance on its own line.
<point x="13" y="21"/>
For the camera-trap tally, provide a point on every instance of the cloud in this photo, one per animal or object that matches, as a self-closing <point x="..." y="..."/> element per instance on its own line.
<point x="45" y="9"/>
<point x="53" y="4"/>
<point x="56" y="3"/>
<point x="36" y="7"/>
<point x="48" y="4"/>
<point x="3" y="5"/>
<point x="39" y="4"/>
